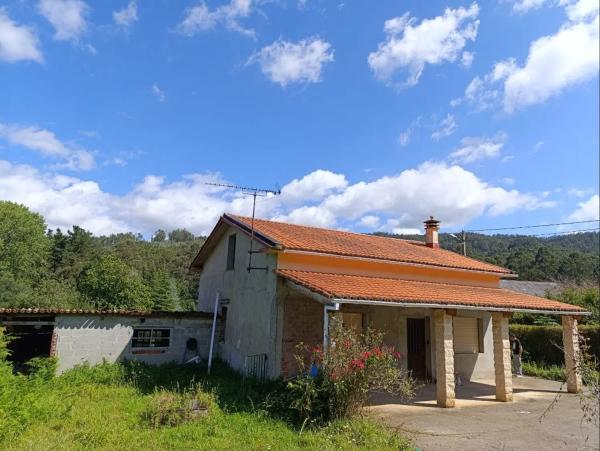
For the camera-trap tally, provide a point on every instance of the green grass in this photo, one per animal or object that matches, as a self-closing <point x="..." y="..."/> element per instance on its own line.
<point x="106" y="407"/>
<point x="552" y="372"/>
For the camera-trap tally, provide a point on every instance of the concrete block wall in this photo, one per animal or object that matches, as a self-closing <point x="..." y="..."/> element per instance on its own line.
<point x="93" y="339"/>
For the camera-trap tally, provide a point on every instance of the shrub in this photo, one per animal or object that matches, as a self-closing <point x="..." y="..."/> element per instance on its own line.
<point x="42" y="367"/>
<point x="543" y="344"/>
<point x="168" y="408"/>
<point x="4" y="340"/>
<point x="552" y="372"/>
<point x="352" y="366"/>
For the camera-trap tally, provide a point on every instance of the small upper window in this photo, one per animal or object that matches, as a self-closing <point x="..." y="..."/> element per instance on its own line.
<point x="151" y="338"/>
<point x="231" y="252"/>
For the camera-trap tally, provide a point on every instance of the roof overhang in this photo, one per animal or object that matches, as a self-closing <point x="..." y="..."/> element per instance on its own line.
<point x="325" y="293"/>
<point x="409" y="304"/>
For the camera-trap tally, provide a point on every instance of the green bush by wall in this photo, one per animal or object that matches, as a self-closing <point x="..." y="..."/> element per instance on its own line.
<point x="543" y="344"/>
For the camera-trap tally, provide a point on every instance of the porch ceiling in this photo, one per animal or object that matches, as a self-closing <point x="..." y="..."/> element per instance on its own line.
<point x="365" y="289"/>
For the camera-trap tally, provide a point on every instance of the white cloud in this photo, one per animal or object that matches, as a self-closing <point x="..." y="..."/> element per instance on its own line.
<point x="554" y="63"/>
<point x="127" y="16"/>
<point x="523" y="6"/>
<point x="410" y="46"/>
<point x="587" y="211"/>
<point x="200" y="18"/>
<point x="508" y="181"/>
<point x="159" y="93"/>
<point x="370" y="221"/>
<point x="582" y="10"/>
<point x="17" y="42"/>
<point x="446" y="128"/>
<point x="286" y="62"/>
<point x="400" y="201"/>
<point x="405" y="136"/>
<point x="475" y="149"/>
<point x="45" y="142"/>
<point x="467" y="58"/>
<point x="314" y="186"/>
<point x="68" y="17"/>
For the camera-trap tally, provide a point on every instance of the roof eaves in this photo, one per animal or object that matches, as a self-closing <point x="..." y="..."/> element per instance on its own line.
<point x="266" y="240"/>
<point x="507" y="274"/>
<point x="464" y="306"/>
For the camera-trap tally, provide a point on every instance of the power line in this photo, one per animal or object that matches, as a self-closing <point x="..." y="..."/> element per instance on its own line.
<point x="534" y="226"/>
<point x="565" y="232"/>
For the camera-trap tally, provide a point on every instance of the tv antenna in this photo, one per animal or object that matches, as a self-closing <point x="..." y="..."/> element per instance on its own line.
<point x="254" y="192"/>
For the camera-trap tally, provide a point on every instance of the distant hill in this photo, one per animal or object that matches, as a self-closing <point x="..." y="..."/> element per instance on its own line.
<point x="563" y="258"/>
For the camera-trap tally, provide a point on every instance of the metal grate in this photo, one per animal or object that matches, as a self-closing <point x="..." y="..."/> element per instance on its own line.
<point x="256" y="366"/>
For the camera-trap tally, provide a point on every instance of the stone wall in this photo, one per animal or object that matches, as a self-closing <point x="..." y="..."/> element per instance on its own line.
<point x="92" y="339"/>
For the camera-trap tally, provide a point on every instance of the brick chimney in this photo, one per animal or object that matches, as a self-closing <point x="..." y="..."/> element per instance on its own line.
<point x="431" y="232"/>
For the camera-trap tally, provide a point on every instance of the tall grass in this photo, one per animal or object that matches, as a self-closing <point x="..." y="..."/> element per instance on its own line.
<point x="109" y="406"/>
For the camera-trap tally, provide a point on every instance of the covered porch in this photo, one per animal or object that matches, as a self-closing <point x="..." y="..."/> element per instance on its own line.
<point x="449" y="334"/>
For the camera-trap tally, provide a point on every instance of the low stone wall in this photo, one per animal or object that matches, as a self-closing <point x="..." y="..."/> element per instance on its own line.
<point x="93" y="339"/>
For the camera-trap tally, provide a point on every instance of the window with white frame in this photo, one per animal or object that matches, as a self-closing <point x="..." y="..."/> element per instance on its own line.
<point x="151" y="338"/>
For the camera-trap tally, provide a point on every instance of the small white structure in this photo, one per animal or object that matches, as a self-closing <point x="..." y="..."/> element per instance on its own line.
<point x="80" y="336"/>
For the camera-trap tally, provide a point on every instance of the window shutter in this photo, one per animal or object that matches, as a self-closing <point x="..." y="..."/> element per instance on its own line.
<point x="466" y="335"/>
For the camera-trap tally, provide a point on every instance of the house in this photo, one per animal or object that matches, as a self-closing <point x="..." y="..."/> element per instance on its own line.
<point x="93" y="336"/>
<point x="276" y="285"/>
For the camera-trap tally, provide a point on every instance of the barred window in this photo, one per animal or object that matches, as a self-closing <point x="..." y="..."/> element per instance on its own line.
<point x="151" y="338"/>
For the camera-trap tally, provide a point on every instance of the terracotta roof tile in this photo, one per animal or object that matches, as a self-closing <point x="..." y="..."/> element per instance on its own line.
<point x="93" y="312"/>
<point x="340" y="286"/>
<point x="327" y="241"/>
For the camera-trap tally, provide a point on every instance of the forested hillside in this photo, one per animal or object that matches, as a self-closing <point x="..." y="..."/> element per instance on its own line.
<point x="74" y="269"/>
<point x="572" y="258"/>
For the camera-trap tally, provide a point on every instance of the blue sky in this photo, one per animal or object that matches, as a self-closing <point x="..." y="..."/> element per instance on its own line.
<point x="113" y="115"/>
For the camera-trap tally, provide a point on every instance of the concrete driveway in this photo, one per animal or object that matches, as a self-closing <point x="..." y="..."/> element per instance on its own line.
<point x="479" y="422"/>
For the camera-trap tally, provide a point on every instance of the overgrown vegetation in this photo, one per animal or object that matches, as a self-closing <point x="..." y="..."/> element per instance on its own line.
<point x="136" y="406"/>
<point x="335" y="383"/>
<point x="543" y="344"/>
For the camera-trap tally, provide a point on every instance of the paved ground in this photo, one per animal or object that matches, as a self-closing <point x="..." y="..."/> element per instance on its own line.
<point x="479" y="422"/>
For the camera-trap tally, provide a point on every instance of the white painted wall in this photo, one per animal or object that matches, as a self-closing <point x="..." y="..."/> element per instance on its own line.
<point x="252" y="308"/>
<point x="93" y="339"/>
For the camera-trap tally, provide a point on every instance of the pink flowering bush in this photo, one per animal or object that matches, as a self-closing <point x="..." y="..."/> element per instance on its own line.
<point x="352" y="366"/>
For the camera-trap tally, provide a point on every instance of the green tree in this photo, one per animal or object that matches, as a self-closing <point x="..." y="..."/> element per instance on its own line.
<point x="73" y="252"/>
<point x="159" y="236"/>
<point x="109" y="283"/>
<point x="181" y="235"/>
<point x="163" y="292"/>
<point x="24" y="247"/>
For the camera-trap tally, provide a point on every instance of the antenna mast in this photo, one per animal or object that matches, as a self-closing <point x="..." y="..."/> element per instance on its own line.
<point x="254" y="192"/>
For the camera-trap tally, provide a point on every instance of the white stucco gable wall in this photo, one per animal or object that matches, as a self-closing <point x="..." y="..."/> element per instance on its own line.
<point x="250" y="298"/>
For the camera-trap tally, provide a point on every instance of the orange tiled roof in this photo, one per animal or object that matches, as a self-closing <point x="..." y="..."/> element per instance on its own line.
<point x="95" y="312"/>
<point x="341" y="286"/>
<point x="327" y="241"/>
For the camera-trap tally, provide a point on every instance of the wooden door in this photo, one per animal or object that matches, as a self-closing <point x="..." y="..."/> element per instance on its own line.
<point x="415" y="331"/>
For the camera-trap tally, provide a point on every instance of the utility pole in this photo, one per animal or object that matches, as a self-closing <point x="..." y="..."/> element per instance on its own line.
<point x="462" y="240"/>
<point x="254" y="192"/>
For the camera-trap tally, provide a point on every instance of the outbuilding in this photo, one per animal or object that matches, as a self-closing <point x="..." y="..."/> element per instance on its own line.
<point x="93" y="336"/>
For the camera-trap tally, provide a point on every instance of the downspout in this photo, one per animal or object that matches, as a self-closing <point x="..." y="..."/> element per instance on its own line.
<point x="335" y="307"/>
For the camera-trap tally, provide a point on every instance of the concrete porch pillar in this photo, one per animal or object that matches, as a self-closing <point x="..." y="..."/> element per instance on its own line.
<point x="444" y="358"/>
<point x="502" y="363"/>
<point x="571" y="347"/>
